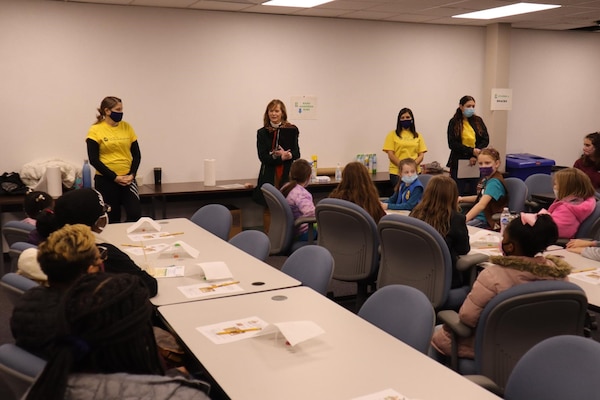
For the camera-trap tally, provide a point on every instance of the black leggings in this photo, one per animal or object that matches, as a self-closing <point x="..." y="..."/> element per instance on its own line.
<point x="116" y="196"/>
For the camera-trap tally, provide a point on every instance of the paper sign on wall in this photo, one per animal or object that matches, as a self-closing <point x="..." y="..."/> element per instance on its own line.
<point x="501" y="99"/>
<point x="302" y="107"/>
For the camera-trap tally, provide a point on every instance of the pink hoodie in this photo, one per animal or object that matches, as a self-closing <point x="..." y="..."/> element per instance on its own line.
<point x="569" y="213"/>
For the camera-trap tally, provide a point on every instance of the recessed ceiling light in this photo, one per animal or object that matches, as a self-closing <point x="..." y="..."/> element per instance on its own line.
<point x="505" y="11"/>
<point x="296" y="3"/>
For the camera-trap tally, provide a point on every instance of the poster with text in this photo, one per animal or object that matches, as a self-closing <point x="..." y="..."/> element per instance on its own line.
<point x="302" y="107"/>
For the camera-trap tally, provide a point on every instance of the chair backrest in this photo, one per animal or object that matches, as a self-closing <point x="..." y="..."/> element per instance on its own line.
<point x="16" y="231"/>
<point x="424" y="179"/>
<point x="19" y="368"/>
<point x="15" y="251"/>
<point x="590" y="227"/>
<point x="350" y="235"/>
<point x="402" y="311"/>
<point x="281" y="229"/>
<point x="253" y="242"/>
<point x="312" y="265"/>
<point x="522" y="316"/>
<point x="215" y="218"/>
<point x="558" y="368"/>
<point x="14" y="285"/>
<point x="538" y="183"/>
<point x="413" y="253"/>
<point x="517" y="194"/>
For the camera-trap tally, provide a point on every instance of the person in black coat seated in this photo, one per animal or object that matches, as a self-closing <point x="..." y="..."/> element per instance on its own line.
<point x="86" y="206"/>
<point x="67" y="254"/>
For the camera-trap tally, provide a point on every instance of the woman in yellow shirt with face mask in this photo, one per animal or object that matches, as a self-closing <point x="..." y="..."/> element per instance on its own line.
<point x="467" y="135"/>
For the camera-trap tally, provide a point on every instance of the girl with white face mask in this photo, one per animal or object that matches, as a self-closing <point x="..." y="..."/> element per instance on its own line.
<point x="408" y="192"/>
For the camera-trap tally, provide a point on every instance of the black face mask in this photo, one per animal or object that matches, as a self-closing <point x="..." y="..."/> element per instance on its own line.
<point x="502" y="244"/>
<point x="116" y="116"/>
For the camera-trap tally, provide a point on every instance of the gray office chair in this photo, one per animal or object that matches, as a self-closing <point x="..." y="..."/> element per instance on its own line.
<point x="350" y="234"/>
<point x="215" y="218"/>
<point x="517" y="194"/>
<point x="513" y="322"/>
<point x="282" y="230"/>
<point x="253" y="242"/>
<point x="537" y="183"/>
<point x="14" y="285"/>
<point x="312" y="265"/>
<point x="424" y="179"/>
<point x="558" y="368"/>
<point x="402" y="311"/>
<point x="590" y="227"/>
<point x="19" y="368"/>
<point x="413" y="253"/>
<point x="15" y="252"/>
<point x="16" y="231"/>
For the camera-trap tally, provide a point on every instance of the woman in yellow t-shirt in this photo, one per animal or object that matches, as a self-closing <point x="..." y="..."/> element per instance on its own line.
<point x="404" y="142"/>
<point x="114" y="151"/>
<point x="467" y="135"/>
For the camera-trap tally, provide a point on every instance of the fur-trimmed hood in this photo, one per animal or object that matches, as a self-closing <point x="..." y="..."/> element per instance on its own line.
<point x="548" y="266"/>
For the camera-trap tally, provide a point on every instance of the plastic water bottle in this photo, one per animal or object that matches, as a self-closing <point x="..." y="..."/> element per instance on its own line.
<point x="374" y="162"/>
<point x="338" y="173"/>
<point x="86" y="174"/>
<point x="313" y="173"/>
<point x="504" y="219"/>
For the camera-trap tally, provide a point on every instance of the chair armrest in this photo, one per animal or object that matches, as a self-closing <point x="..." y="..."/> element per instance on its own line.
<point x="486" y="383"/>
<point x="311" y="221"/>
<point x="450" y="318"/>
<point x="470" y="260"/>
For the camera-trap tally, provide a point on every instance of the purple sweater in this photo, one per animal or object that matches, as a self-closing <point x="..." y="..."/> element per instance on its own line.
<point x="301" y="203"/>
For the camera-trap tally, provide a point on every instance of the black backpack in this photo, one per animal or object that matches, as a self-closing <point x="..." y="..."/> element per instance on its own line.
<point x="11" y="183"/>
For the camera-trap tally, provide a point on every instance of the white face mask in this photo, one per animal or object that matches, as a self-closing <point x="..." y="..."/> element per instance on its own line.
<point x="101" y="226"/>
<point x="555" y="193"/>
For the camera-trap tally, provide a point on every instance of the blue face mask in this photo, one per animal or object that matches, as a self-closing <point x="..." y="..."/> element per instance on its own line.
<point x="486" y="171"/>
<point x="409" y="179"/>
<point x="405" y="124"/>
<point x="469" y="112"/>
<point x="116" y="116"/>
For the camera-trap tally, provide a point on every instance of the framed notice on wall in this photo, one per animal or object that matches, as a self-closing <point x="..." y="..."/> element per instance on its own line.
<point x="302" y="107"/>
<point x="501" y="99"/>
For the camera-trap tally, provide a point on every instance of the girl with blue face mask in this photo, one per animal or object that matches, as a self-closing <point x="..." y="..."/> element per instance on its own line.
<point x="491" y="195"/>
<point x="404" y="142"/>
<point x="467" y="135"/>
<point x="409" y="191"/>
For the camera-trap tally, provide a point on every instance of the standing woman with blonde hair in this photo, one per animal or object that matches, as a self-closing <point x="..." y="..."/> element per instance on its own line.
<point x="277" y="147"/>
<point x="439" y="208"/>
<point x="467" y="135"/>
<point x="114" y="152"/>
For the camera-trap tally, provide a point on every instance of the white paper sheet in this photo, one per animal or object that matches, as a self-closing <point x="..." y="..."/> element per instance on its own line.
<point x="466" y="170"/>
<point x="296" y="331"/>
<point x="205" y="289"/>
<point x="215" y="270"/>
<point x="592" y="276"/>
<point x="170" y="271"/>
<point x="143" y="225"/>
<point x="181" y="249"/>
<point x="237" y="330"/>
<point x="146" y="250"/>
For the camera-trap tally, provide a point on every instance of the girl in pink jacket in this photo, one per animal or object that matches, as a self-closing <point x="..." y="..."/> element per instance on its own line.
<point x="575" y="201"/>
<point x="522" y="240"/>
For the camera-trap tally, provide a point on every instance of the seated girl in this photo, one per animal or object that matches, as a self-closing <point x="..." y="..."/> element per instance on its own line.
<point x="356" y="186"/>
<point x="575" y="201"/>
<point x="408" y="191"/>
<point x="491" y="197"/>
<point x="522" y="240"/>
<point x="439" y="208"/>
<point x="300" y="199"/>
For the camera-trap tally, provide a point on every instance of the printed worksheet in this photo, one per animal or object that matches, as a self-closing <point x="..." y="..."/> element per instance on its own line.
<point x="170" y="271"/>
<point x="233" y="331"/>
<point x="146" y="236"/>
<point x="204" y="289"/>
<point x="588" y="276"/>
<point x="145" y="250"/>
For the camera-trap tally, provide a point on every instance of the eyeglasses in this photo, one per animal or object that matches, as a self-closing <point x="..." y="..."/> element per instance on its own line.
<point x="103" y="253"/>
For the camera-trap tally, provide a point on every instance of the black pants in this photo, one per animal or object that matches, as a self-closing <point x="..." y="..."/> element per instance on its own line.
<point x="467" y="186"/>
<point x="116" y="196"/>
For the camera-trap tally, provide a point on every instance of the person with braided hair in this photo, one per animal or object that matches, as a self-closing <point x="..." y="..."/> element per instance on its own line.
<point x="67" y="254"/>
<point x="106" y="348"/>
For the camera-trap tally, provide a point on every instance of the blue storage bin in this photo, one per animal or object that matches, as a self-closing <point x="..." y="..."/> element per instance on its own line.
<point x="521" y="165"/>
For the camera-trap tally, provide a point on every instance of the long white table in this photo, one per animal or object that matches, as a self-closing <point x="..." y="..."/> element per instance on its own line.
<point x="253" y="275"/>
<point x="352" y="358"/>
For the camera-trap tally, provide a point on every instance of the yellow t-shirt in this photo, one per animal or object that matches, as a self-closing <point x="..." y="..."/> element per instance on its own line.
<point x="115" y="145"/>
<point x="405" y="146"/>
<point x="468" y="134"/>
